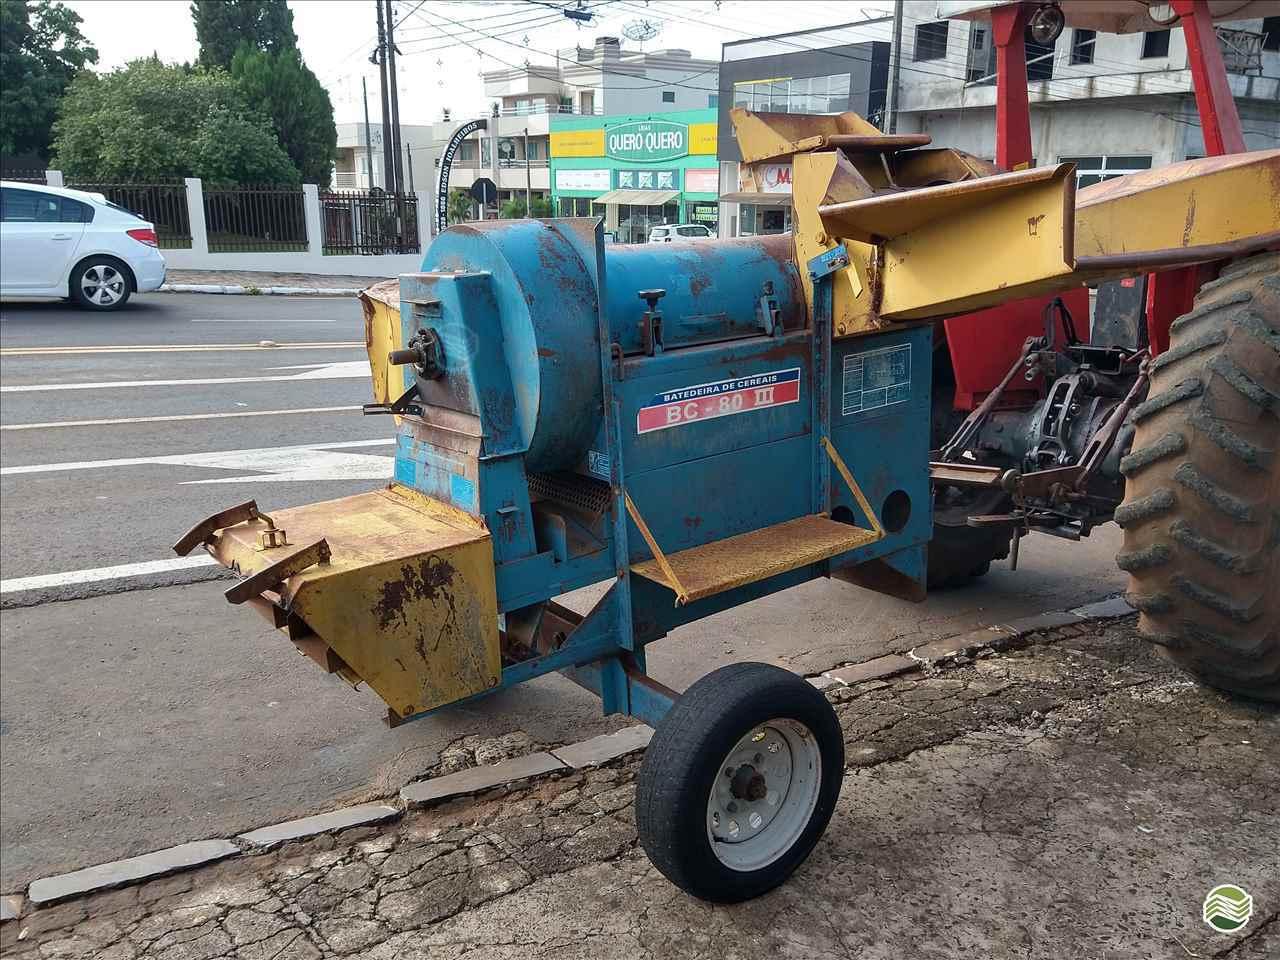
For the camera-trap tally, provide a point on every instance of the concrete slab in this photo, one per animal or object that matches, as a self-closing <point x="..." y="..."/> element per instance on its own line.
<point x="1043" y="621"/>
<point x="119" y="872"/>
<point x="480" y="778"/>
<point x="602" y="749"/>
<point x="10" y="907"/>
<point x="343" y="819"/>
<point x="1115" y="607"/>
<point x="950" y="646"/>
<point x="823" y="683"/>
<point x="873" y="669"/>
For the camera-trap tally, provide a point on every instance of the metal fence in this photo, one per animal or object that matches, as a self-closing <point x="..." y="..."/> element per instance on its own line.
<point x="369" y="223"/>
<point x="164" y="204"/>
<point x="22" y="175"/>
<point x="255" y="219"/>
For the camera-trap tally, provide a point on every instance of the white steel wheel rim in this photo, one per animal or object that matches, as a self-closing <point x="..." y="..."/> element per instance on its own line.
<point x="102" y="284"/>
<point x="764" y="794"/>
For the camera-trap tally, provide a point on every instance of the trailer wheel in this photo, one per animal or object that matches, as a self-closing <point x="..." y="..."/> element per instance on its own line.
<point x="739" y="782"/>
<point x="1201" y="515"/>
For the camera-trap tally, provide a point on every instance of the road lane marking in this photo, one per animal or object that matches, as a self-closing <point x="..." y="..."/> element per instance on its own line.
<point x="96" y="574"/>
<point x="170" y="419"/>
<point x="263" y="458"/>
<point x="345" y="370"/>
<point x="179" y="348"/>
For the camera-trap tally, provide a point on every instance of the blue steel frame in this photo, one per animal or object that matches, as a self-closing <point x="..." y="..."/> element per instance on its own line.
<point x="605" y="652"/>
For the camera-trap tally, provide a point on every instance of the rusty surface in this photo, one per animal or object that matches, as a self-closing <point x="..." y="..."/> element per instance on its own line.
<point x="207" y="527"/>
<point x="750" y="557"/>
<point x="271" y="576"/>
<point x="1142" y="261"/>
<point x="967" y="475"/>
<point x="406" y="603"/>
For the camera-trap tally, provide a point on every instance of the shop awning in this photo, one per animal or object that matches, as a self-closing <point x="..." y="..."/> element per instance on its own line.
<point x="760" y="199"/>
<point x="639" y="198"/>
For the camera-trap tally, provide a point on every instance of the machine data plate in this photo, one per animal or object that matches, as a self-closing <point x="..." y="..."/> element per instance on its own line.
<point x="876" y="378"/>
<point x="722" y="398"/>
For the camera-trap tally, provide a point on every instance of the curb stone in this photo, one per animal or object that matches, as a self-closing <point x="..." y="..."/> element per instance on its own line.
<point x="585" y="753"/>
<point x="236" y="289"/>
<point x="476" y="779"/>
<point x="119" y="872"/>
<point x="1114" y="607"/>
<point x="358" y="816"/>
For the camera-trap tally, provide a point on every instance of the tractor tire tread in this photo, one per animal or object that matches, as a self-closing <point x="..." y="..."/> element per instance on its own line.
<point x="1201" y="515"/>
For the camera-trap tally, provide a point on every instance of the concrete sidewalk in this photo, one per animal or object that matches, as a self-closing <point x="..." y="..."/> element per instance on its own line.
<point x="1073" y="797"/>
<point x="264" y="279"/>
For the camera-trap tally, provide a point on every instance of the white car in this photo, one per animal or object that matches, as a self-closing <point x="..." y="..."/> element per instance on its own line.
<point x="64" y="243"/>
<point x="680" y="231"/>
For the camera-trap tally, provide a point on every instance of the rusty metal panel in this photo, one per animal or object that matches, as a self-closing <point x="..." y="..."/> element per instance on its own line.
<point x="405" y="603"/>
<point x="381" y="306"/>
<point x="1216" y="200"/>
<point x="749" y="557"/>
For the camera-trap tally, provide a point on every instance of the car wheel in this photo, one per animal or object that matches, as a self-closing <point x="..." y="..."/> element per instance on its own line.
<point x="101" y="283"/>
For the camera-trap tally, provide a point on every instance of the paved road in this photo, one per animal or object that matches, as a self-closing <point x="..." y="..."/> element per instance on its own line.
<point x="1075" y="798"/>
<point x="132" y="718"/>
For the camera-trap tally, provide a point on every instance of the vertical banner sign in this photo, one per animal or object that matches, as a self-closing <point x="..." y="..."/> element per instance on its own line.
<point x="446" y="162"/>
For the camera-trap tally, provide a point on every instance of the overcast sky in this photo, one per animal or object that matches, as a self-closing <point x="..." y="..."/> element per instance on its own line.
<point x="446" y="44"/>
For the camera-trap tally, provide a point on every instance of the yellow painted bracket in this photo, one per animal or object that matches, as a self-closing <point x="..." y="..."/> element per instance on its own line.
<point x="963" y="246"/>
<point x="682" y="595"/>
<point x="856" y="490"/>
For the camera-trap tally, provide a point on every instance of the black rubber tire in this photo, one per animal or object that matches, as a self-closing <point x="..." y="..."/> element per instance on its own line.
<point x="77" y="291"/>
<point x="684" y="758"/>
<point x="1201" y="514"/>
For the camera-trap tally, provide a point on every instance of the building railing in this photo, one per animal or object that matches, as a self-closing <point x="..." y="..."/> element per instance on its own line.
<point x="255" y="219"/>
<point x="535" y="109"/>
<point x="164" y="204"/>
<point x="348" y="180"/>
<point x="368" y="223"/>
<point x="1241" y="50"/>
<point x="515" y="163"/>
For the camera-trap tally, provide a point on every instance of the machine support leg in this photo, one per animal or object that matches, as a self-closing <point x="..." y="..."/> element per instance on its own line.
<point x="1171" y="294"/>
<point x="1013" y="110"/>
<point x="1219" y="119"/>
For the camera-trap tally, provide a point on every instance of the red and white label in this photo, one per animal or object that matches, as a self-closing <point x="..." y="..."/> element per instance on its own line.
<point x="723" y="398"/>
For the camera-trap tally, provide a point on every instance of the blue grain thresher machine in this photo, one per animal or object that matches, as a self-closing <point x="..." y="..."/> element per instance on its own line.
<point x="696" y="425"/>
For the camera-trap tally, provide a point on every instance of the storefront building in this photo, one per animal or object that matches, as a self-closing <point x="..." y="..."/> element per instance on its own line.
<point x="636" y="171"/>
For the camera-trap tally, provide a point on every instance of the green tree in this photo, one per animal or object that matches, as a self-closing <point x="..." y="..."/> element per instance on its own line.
<point x="281" y="86"/>
<point x="514" y="208"/>
<point x="41" y="50"/>
<point x="461" y="206"/>
<point x="148" y="120"/>
<point x="223" y="25"/>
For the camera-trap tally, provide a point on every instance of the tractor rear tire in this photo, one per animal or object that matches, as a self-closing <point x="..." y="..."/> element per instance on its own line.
<point x="1201" y="514"/>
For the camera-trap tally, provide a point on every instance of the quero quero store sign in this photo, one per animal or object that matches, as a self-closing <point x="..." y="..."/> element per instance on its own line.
<point x="647" y="141"/>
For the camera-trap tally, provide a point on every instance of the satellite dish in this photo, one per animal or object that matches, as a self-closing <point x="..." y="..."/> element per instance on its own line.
<point x="641" y="30"/>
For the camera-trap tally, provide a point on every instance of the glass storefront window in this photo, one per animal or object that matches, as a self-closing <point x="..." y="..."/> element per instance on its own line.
<point x="580" y="207"/>
<point x="756" y="220"/>
<point x="705" y="213"/>
<point x="829" y="94"/>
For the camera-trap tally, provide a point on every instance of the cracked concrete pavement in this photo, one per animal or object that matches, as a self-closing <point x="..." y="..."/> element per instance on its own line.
<point x="1071" y="797"/>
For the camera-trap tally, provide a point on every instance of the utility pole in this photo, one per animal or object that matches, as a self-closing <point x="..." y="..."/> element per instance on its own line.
<point x="394" y="83"/>
<point x="380" y="58"/>
<point x="895" y="54"/>
<point x="528" y="178"/>
<point x="368" y="137"/>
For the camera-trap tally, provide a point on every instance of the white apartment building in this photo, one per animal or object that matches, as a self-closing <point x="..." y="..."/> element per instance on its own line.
<point x="1112" y="102"/>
